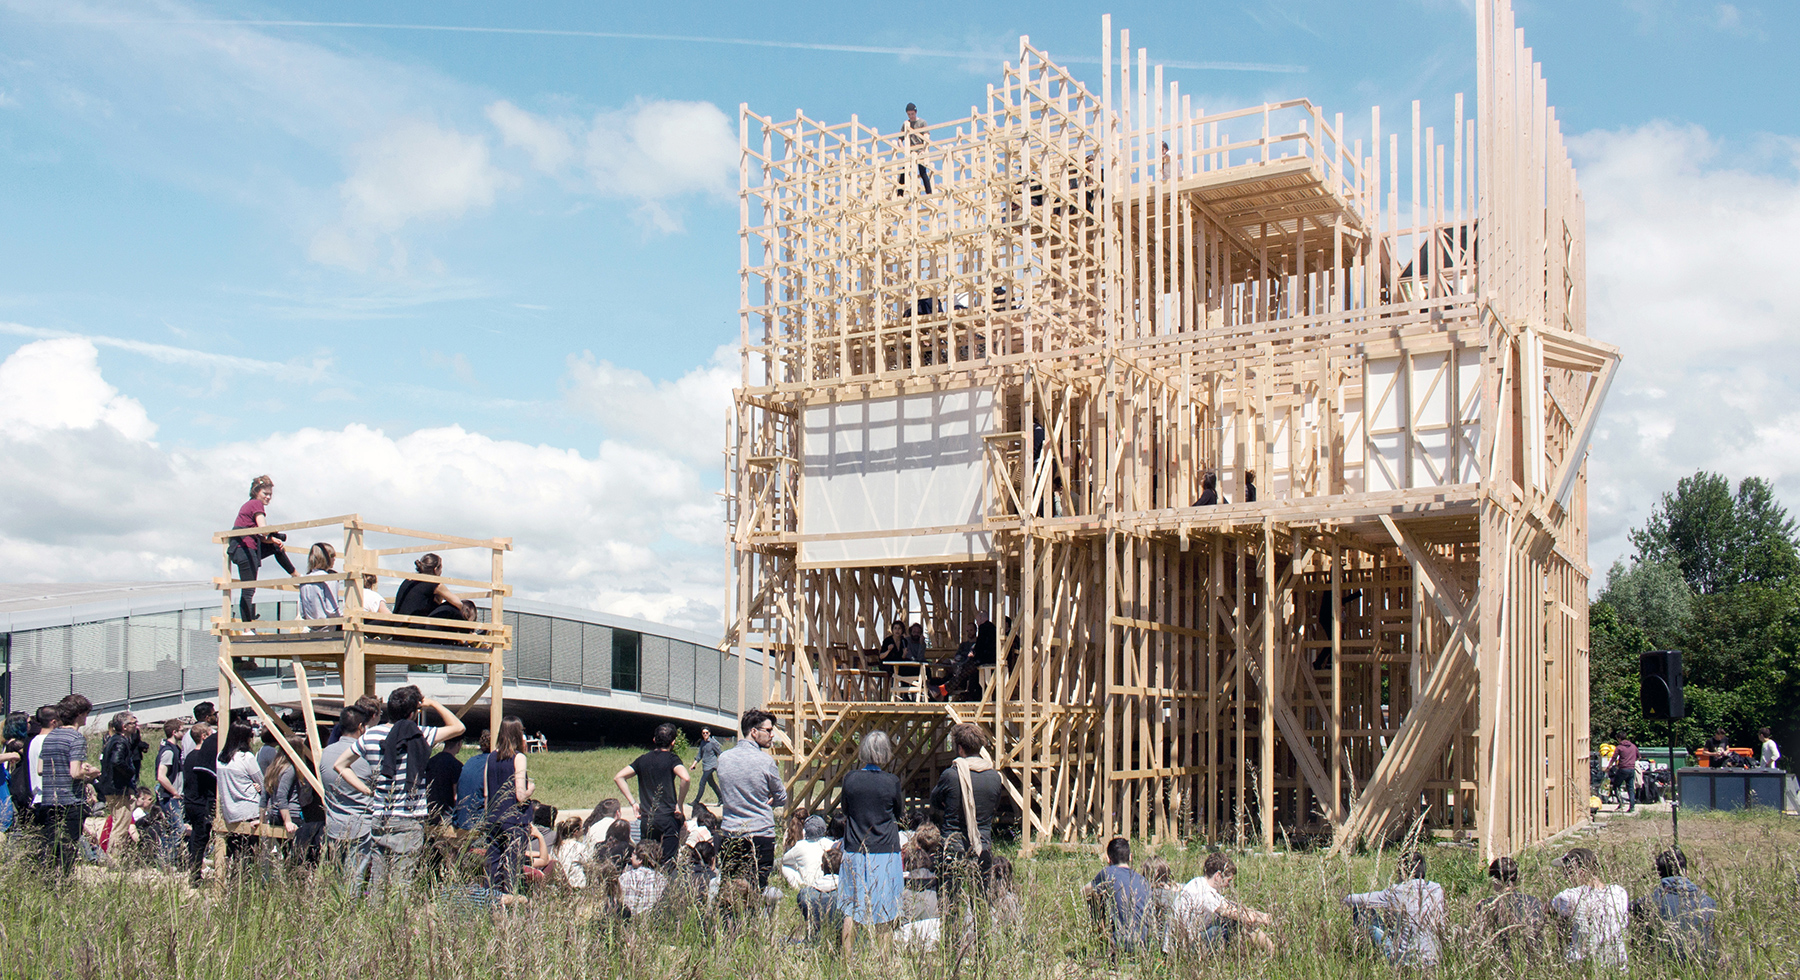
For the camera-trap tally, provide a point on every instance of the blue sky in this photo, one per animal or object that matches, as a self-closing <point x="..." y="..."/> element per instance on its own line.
<point x="408" y="242"/>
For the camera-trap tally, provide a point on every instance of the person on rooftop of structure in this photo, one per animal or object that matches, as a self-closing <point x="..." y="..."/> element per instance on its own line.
<point x="916" y="135"/>
<point x="1209" y="490"/>
<point x="247" y="552"/>
<point x="318" y="600"/>
<point x="433" y="599"/>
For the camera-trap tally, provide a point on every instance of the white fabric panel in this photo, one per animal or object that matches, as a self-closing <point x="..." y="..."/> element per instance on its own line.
<point x="1384" y="391"/>
<point x="893" y="463"/>
<point x="1468" y="415"/>
<point x="1279" y="482"/>
<point x="1353" y="445"/>
<point x="1538" y="451"/>
<point x="1428" y="394"/>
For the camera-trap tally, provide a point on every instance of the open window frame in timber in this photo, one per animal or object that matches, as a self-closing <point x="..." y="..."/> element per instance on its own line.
<point x="1418" y="401"/>
<point x="354" y="644"/>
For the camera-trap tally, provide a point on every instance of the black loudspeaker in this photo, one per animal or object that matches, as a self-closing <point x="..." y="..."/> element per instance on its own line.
<point x="1659" y="684"/>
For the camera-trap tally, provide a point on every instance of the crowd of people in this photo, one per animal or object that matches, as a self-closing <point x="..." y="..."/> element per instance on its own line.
<point x="1588" y="921"/>
<point x="389" y="810"/>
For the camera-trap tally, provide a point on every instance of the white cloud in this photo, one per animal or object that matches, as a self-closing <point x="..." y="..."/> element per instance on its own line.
<point x="1690" y="272"/>
<point x="56" y="384"/>
<point x="85" y="496"/>
<point x="652" y="153"/>
<point x="685" y="417"/>
<point x="416" y="170"/>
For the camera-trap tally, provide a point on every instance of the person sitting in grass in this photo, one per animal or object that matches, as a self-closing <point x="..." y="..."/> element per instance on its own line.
<point x="641" y="886"/>
<point x="1205" y="920"/>
<point x="1597" y="912"/>
<point x="818" y="895"/>
<point x="1677" y="916"/>
<point x="1119" y="898"/>
<point x="1163" y="892"/>
<point x="573" y="852"/>
<point x="600" y="820"/>
<point x="1514" y="920"/>
<point x="1403" y="920"/>
<point x="802" y="863"/>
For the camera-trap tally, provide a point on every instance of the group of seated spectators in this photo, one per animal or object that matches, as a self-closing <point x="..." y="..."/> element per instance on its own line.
<point x="1588" y="922"/>
<point x="954" y="678"/>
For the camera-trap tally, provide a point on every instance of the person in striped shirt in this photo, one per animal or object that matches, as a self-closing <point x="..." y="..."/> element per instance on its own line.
<point x="396" y="751"/>
<point x="59" y="782"/>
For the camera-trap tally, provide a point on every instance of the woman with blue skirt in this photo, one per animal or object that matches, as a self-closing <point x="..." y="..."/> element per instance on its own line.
<point x="869" y="882"/>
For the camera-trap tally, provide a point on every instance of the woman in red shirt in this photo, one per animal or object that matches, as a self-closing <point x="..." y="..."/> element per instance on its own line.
<point x="248" y="552"/>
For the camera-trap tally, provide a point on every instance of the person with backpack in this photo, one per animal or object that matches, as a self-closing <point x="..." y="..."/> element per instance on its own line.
<point x="168" y="787"/>
<point x="121" y="759"/>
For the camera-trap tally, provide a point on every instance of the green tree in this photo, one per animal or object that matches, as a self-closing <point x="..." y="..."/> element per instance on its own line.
<point x="1719" y="540"/>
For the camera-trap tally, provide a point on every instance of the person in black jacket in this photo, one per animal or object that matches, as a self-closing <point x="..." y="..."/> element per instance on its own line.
<point x="121" y="757"/>
<point x="199" y="792"/>
<point x="967" y="822"/>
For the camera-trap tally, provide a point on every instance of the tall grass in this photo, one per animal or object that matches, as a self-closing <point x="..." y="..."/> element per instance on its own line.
<point x="148" y="924"/>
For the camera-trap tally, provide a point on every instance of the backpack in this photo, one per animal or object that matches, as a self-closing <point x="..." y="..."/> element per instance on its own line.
<point x="18" y="781"/>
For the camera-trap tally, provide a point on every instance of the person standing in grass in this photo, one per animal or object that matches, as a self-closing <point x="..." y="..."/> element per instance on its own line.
<point x="469" y="801"/>
<point x="60" y="789"/>
<point x="1403" y="920"/>
<point x="346" y="807"/>
<point x="168" y="788"/>
<point x="1206" y="920"/>
<point x="397" y="751"/>
<point x="706" y="757"/>
<point x="199" y="794"/>
<point x="1597" y="912"/>
<point x="963" y="804"/>
<point x="121" y="760"/>
<point x="750" y="788"/>
<point x="869" y="881"/>
<point x="1119" y="898"/>
<point x="658" y="799"/>
<point x="507" y="788"/>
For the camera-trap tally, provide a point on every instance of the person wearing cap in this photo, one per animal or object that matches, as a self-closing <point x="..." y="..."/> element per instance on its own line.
<point x="1597" y="912"/>
<point x="916" y="136"/>
<point x="803" y="863"/>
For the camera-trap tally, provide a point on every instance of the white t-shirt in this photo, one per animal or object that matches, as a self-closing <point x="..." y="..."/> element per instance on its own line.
<point x="569" y="855"/>
<point x="1770" y="753"/>
<point x="34" y="767"/>
<point x="372" y="602"/>
<point x="1598" y="917"/>
<point x="596" y="834"/>
<point x="1197" y="905"/>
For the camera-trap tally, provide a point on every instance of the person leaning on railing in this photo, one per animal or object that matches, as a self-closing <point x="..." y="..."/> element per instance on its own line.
<point x="434" y="600"/>
<point x="318" y="600"/>
<point x="247" y="552"/>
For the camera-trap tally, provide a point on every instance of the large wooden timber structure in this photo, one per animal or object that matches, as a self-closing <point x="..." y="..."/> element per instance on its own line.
<point x="347" y="651"/>
<point x="1005" y="395"/>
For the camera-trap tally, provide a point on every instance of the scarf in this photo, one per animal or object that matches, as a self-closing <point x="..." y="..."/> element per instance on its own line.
<point x="404" y="737"/>
<point x="965" y="766"/>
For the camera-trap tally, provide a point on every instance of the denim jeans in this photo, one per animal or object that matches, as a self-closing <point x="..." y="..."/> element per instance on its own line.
<point x="395" y="846"/>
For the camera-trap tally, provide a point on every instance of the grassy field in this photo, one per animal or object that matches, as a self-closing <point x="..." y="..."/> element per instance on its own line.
<point x="147" y="924"/>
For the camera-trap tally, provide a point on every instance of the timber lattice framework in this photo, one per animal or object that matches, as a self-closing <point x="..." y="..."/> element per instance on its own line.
<point x="1005" y="395"/>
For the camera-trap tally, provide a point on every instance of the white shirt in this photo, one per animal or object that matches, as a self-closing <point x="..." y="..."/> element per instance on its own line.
<point x="1420" y="907"/>
<point x="240" y="788"/>
<point x="34" y="768"/>
<point x="372" y="602"/>
<point x="1197" y="906"/>
<point x="1598" y="916"/>
<point x="569" y="855"/>
<point x="804" y="863"/>
<point x="597" y="833"/>
<point x="1770" y="753"/>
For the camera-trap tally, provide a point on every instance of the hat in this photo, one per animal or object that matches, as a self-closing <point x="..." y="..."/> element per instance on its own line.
<point x="911" y="108"/>
<point x="815" y="827"/>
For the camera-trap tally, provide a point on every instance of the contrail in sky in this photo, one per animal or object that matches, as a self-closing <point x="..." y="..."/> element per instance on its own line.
<point x="1253" y="66"/>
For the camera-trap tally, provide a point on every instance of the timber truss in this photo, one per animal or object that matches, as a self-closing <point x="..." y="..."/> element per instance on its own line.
<point x="1139" y="294"/>
<point x="346" y="651"/>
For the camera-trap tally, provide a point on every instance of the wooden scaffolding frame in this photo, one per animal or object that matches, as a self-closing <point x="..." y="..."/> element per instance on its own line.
<point x="1153" y="293"/>
<point x="353" y="645"/>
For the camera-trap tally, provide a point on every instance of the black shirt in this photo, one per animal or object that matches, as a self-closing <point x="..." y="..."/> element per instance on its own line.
<point x="199" y="776"/>
<point x="415" y="598"/>
<point x="656" y="781"/>
<point x="441" y="773"/>
<point x="947" y="808"/>
<point x="873" y="809"/>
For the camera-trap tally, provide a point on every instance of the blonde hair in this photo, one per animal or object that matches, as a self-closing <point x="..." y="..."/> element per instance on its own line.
<point x="321" y="557"/>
